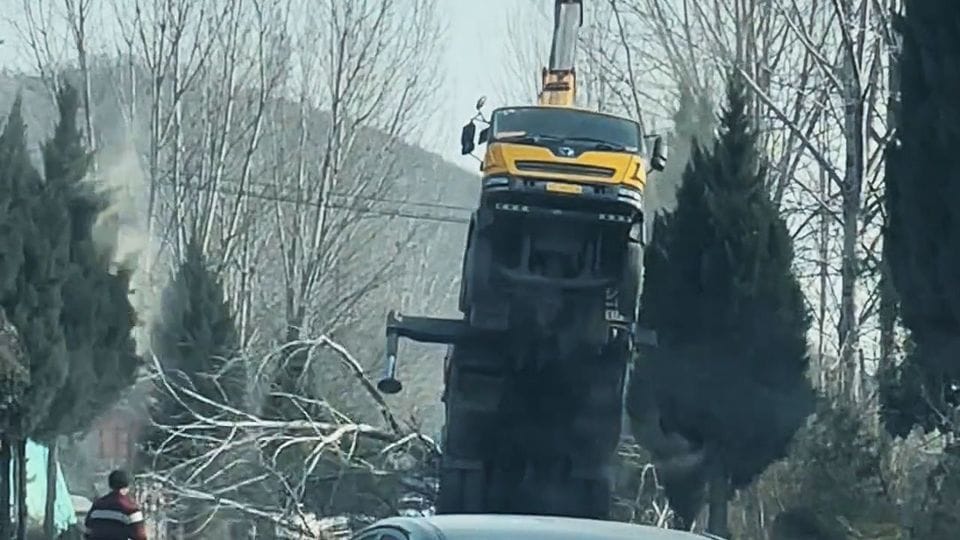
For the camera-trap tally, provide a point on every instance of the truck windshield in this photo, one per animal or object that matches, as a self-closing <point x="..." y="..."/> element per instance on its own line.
<point x="567" y="125"/>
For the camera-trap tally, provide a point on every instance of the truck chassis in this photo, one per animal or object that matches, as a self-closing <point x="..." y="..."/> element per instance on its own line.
<point x="535" y="369"/>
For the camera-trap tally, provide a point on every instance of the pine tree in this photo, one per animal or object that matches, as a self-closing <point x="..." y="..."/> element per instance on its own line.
<point x="13" y="216"/>
<point x="835" y="469"/>
<point x="97" y="316"/>
<point x="196" y="338"/>
<point x="694" y="122"/>
<point x="729" y="313"/>
<point x="13" y="161"/>
<point x="922" y="237"/>
<point x="65" y="165"/>
<point x="197" y="343"/>
<point x="35" y="304"/>
<point x="96" y="320"/>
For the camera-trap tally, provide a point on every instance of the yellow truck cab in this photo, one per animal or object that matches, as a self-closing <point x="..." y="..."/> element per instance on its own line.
<point x="564" y="156"/>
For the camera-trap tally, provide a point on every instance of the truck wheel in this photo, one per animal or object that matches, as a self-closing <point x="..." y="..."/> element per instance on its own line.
<point x="594" y="436"/>
<point x="590" y="499"/>
<point x="464" y="276"/>
<point x="475" y="273"/>
<point x="631" y="282"/>
<point x="462" y="491"/>
<point x="567" y="436"/>
<point x="556" y="492"/>
<point x="472" y="394"/>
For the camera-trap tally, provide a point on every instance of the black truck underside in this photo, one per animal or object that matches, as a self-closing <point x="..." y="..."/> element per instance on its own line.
<point x="535" y="368"/>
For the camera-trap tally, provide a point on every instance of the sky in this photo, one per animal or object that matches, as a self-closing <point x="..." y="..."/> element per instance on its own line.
<point x="474" y="54"/>
<point x="477" y="50"/>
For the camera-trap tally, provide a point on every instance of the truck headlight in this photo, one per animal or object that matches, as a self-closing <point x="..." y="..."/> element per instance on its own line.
<point x="630" y="194"/>
<point x="496" y="181"/>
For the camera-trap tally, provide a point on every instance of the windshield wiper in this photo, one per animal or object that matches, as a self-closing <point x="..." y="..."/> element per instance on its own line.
<point x="599" y="144"/>
<point x="530" y="138"/>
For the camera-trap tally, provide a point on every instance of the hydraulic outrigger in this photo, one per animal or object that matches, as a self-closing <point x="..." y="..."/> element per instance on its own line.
<point x="424" y="330"/>
<point x="447" y="331"/>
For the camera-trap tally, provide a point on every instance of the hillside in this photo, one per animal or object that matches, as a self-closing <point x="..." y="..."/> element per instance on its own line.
<point x="406" y="216"/>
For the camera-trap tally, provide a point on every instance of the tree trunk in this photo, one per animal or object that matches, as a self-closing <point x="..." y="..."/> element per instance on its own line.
<point x="6" y="526"/>
<point x="718" y="521"/>
<point x="854" y="134"/>
<point x="22" y="515"/>
<point x="53" y="454"/>
<point x="823" y="246"/>
<point x="888" y="294"/>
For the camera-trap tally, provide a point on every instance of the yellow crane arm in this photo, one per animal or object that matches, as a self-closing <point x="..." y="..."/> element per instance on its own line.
<point x="559" y="86"/>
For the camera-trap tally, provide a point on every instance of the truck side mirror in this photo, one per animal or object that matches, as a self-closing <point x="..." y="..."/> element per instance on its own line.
<point x="481" y="101"/>
<point x="466" y="138"/>
<point x="484" y="135"/>
<point x="658" y="160"/>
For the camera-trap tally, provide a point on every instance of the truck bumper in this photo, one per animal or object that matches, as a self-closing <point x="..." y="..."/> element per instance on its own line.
<point x="582" y="201"/>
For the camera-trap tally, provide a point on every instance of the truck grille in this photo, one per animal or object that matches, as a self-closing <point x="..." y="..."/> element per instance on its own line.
<point x="564" y="168"/>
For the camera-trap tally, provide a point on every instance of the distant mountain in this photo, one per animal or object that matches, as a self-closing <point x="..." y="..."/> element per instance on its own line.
<point x="408" y="193"/>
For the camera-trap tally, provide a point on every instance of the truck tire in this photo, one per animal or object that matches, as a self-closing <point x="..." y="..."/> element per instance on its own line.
<point x="465" y="277"/>
<point x="554" y="491"/>
<point x="474" y="384"/>
<point x="595" y="431"/>
<point x="476" y="269"/>
<point x="631" y="282"/>
<point x="462" y="491"/>
<point x="589" y="499"/>
<point x="565" y="438"/>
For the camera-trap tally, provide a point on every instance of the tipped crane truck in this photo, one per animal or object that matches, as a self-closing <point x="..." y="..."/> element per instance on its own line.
<point x="550" y="287"/>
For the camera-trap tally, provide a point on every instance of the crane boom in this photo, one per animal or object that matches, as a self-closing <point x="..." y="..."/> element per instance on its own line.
<point x="559" y="79"/>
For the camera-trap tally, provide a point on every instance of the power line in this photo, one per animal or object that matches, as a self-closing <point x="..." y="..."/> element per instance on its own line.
<point x="395" y="212"/>
<point x="426" y="204"/>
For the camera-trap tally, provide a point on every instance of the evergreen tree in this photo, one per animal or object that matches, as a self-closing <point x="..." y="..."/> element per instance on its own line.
<point x="197" y="343"/>
<point x="13" y="162"/>
<point x="694" y="122"/>
<point x="196" y="339"/>
<point x="922" y="237"/>
<point x="731" y="367"/>
<point x="835" y="470"/>
<point x="34" y="304"/>
<point x="66" y="164"/>
<point x="97" y="318"/>
<point x="13" y="216"/>
<point x="939" y="515"/>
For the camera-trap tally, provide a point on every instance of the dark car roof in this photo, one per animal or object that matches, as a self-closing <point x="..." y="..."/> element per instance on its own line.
<point x="506" y="527"/>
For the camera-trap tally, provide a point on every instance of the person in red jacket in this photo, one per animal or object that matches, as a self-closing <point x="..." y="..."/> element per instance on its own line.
<point x="115" y="516"/>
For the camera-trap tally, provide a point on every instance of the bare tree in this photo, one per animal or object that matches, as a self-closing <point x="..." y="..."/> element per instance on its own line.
<point x="817" y="75"/>
<point x="172" y="41"/>
<point x="78" y="15"/>
<point x="374" y="76"/>
<point x="40" y="38"/>
<point x="225" y="438"/>
<point x="528" y="47"/>
<point x="816" y="70"/>
<point x="854" y="76"/>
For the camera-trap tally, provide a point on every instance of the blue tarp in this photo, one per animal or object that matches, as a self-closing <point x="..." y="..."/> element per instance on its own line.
<point x="64" y="515"/>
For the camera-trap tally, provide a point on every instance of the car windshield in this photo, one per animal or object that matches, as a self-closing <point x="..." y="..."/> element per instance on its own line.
<point x="567" y="125"/>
